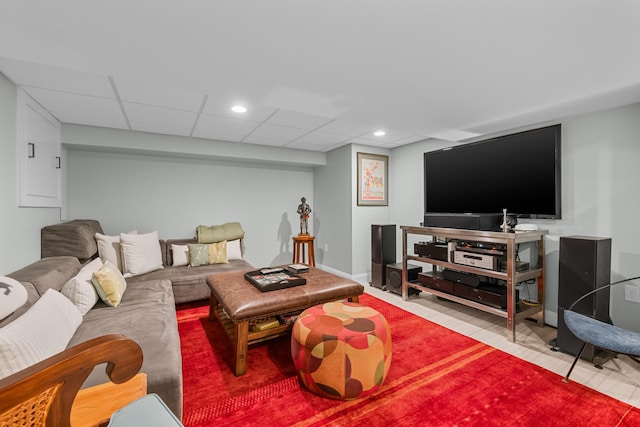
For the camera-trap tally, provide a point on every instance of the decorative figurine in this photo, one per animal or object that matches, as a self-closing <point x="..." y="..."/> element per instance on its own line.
<point x="304" y="210"/>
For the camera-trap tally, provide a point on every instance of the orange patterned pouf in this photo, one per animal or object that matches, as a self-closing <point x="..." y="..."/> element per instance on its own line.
<point x="341" y="350"/>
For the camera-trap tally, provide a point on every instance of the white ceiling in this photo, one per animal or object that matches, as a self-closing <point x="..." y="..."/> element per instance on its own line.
<point x="316" y="75"/>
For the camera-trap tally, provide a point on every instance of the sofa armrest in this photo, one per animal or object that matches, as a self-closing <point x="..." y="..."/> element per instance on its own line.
<point x="93" y="406"/>
<point x="73" y="238"/>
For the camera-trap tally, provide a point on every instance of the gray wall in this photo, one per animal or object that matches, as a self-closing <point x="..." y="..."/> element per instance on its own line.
<point x="173" y="196"/>
<point x="600" y="174"/>
<point x="332" y="211"/>
<point x="364" y="216"/>
<point x="20" y="229"/>
<point x="344" y="237"/>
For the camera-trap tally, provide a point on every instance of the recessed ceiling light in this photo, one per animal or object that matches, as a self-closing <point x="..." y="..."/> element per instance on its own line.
<point x="379" y="133"/>
<point x="239" y="109"/>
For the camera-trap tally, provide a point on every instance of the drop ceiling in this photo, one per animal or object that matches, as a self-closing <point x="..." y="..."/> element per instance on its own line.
<point x="319" y="75"/>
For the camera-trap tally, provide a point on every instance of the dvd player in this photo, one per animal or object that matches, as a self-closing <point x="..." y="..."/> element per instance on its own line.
<point x="488" y="262"/>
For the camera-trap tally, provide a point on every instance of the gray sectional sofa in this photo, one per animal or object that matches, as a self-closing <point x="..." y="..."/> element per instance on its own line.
<point x="146" y="313"/>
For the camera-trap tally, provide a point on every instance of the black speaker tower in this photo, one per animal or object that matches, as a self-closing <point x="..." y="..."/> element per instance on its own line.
<point x="585" y="265"/>
<point x="383" y="252"/>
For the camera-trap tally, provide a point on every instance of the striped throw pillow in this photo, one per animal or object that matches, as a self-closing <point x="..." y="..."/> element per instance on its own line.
<point x="44" y="330"/>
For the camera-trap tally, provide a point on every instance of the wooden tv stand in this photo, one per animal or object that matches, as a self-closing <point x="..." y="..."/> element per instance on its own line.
<point x="511" y="276"/>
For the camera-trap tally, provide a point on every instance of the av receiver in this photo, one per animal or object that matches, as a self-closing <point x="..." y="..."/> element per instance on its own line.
<point x="434" y="250"/>
<point x="473" y="259"/>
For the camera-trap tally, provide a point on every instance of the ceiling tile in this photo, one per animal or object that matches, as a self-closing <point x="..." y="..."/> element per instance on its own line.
<point x="263" y="141"/>
<point x="158" y="115"/>
<point x="389" y="136"/>
<point x="319" y="138"/>
<point x="275" y="135"/>
<point x="160" y="128"/>
<point x="454" y="135"/>
<point x="55" y="78"/>
<point x="342" y="127"/>
<point x="404" y="141"/>
<point x="158" y="95"/>
<point x="80" y="109"/>
<point x="309" y="146"/>
<point x="298" y="120"/>
<point x="223" y="128"/>
<point x="254" y="113"/>
<point x="364" y="141"/>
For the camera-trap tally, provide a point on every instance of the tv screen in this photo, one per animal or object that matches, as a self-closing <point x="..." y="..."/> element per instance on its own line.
<point x="518" y="172"/>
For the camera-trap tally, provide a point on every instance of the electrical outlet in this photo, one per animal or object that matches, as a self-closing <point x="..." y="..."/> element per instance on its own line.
<point x="326" y="247"/>
<point x="632" y="293"/>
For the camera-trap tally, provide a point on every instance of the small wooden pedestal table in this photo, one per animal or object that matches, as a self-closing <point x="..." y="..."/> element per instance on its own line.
<point x="299" y="243"/>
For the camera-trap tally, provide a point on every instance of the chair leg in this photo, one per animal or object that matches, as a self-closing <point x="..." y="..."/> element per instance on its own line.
<point x="566" y="378"/>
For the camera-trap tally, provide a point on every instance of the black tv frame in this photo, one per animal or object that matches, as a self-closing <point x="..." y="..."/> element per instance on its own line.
<point x="482" y="176"/>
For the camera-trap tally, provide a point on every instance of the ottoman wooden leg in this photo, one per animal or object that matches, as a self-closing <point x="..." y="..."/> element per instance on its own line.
<point x="241" y="343"/>
<point x="213" y="306"/>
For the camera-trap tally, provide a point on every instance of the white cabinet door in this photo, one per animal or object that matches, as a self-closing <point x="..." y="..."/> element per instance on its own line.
<point x="39" y="161"/>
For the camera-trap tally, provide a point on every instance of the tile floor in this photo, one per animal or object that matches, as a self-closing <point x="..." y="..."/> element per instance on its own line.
<point x="619" y="378"/>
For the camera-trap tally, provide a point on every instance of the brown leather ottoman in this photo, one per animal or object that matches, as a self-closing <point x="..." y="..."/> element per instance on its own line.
<point x="235" y="303"/>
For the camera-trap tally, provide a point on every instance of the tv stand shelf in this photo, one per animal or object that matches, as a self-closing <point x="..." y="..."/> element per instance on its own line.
<point x="511" y="276"/>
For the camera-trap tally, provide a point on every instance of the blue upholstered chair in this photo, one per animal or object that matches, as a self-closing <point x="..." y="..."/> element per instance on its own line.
<point x="600" y="334"/>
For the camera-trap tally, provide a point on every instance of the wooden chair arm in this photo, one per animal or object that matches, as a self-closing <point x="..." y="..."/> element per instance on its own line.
<point x="49" y="387"/>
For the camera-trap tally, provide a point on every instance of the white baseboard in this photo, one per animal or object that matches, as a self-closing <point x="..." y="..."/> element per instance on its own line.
<point x="360" y="278"/>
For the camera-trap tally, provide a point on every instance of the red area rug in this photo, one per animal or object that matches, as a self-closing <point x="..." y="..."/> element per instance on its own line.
<point x="437" y="378"/>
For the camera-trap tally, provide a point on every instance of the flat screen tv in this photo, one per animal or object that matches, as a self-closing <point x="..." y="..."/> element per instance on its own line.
<point x="518" y="172"/>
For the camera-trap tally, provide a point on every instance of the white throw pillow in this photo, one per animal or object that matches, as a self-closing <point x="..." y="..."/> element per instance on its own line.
<point x="13" y="295"/>
<point x="109" y="248"/>
<point x="180" y="255"/>
<point x="79" y="288"/>
<point x="234" y="251"/>
<point x="141" y="253"/>
<point x="42" y="331"/>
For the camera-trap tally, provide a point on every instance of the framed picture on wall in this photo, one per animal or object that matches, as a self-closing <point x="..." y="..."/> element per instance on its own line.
<point x="373" y="180"/>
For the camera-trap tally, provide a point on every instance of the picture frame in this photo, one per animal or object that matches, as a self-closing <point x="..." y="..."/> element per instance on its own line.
<point x="373" y="180"/>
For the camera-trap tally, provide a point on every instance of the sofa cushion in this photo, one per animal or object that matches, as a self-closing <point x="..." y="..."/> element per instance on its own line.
<point x="47" y="273"/>
<point x="80" y="290"/>
<point x="141" y="253"/>
<point x="218" y="253"/>
<point x="109" y="248"/>
<point x="72" y="238"/>
<point x="147" y="315"/>
<point x="234" y="249"/>
<point x="109" y="283"/>
<point x="198" y="254"/>
<point x="44" y="330"/>
<point x="189" y="283"/>
<point x="180" y="255"/>
<point x="169" y="252"/>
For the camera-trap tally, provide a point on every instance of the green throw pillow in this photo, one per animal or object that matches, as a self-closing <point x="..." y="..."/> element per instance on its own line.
<point x="198" y="254"/>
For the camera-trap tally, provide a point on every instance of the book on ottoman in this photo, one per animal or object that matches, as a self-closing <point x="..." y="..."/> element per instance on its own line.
<point x="272" y="279"/>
